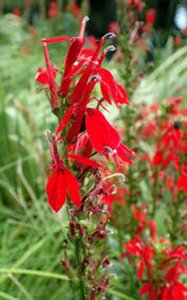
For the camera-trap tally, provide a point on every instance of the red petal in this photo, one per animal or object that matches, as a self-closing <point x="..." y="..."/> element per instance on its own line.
<point x="42" y="76"/>
<point x="75" y="128"/>
<point x="84" y="160"/>
<point x="140" y="271"/>
<point x="51" y="76"/>
<point x="80" y="86"/>
<point x="182" y="182"/>
<point x="145" y="289"/>
<point x="81" y="142"/>
<point x="72" y="53"/>
<point x="64" y="121"/>
<point x="122" y="92"/>
<point x="56" y="190"/>
<point x="56" y="39"/>
<point x="96" y="128"/>
<point x="105" y="92"/>
<point x="71" y="57"/>
<point x="72" y="187"/>
<point x="116" y="90"/>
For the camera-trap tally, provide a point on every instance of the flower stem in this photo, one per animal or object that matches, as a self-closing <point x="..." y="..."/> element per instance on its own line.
<point x="78" y="249"/>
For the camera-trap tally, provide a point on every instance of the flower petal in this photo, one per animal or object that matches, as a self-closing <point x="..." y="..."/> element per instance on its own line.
<point x="64" y="121"/>
<point x="72" y="187"/>
<point x="56" y="190"/>
<point x="85" y="161"/>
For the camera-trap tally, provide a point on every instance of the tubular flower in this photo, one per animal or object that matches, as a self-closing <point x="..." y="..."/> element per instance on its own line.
<point x="62" y="182"/>
<point x="104" y="138"/>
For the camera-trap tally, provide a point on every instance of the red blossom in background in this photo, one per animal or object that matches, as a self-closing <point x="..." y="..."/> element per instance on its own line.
<point x="53" y="11"/>
<point x="182" y="180"/>
<point x="161" y="268"/>
<point x="16" y="11"/>
<point x="150" y="16"/>
<point x="135" y="3"/>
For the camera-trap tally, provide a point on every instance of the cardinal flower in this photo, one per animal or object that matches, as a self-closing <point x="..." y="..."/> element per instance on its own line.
<point x="62" y="182"/>
<point x="182" y="180"/>
<point x="42" y="75"/>
<point x="104" y="138"/>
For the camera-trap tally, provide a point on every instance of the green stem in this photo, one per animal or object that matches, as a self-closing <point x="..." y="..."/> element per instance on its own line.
<point x="78" y="247"/>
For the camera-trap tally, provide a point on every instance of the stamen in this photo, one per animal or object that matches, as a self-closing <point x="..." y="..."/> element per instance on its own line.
<point x="95" y="78"/>
<point x="110" y="150"/>
<point x="46" y="134"/>
<point x="113" y="175"/>
<point x="83" y="26"/>
<point x="110" y="48"/>
<point x="109" y="35"/>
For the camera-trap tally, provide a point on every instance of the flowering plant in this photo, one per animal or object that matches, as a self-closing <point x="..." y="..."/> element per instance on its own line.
<point x="82" y="134"/>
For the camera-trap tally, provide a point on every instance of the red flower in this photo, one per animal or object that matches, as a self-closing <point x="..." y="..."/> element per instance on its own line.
<point x="50" y="75"/>
<point x="62" y="182"/>
<point x="76" y="10"/>
<point x="150" y="16"/>
<point x="182" y="181"/>
<point x="104" y="138"/>
<point x="136" y="3"/>
<point x="16" y="11"/>
<point x="145" y="254"/>
<point x="42" y="75"/>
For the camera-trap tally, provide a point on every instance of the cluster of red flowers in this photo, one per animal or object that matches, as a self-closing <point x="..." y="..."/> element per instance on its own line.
<point x="83" y="128"/>
<point x="160" y="267"/>
<point x="166" y="124"/>
<point x="161" y="264"/>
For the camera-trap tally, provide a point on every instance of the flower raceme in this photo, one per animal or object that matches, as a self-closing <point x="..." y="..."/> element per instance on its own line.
<point x="80" y="120"/>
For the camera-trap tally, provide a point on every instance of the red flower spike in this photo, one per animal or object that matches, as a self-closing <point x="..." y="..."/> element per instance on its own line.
<point x="104" y="138"/>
